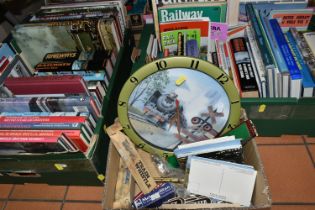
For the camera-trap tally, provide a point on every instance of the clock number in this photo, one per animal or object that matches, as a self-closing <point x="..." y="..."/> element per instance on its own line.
<point x="161" y="64"/>
<point x="141" y="145"/>
<point x="133" y="80"/>
<point x="165" y="155"/>
<point x="231" y="126"/>
<point x="194" y="64"/>
<point x="235" y="102"/>
<point x="126" y="127"/>
<point x="223" y="78"/>
<point x="122" y="103"/>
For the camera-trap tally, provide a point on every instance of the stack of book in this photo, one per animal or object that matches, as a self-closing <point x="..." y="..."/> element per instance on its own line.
<point x="55" y="71"/>
<point x="265" y="46"/>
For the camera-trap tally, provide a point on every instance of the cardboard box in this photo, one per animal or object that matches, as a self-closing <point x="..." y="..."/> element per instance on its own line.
<point x="261" y="198"/>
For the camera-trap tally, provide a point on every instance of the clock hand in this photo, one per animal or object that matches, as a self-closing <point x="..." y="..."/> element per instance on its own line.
<point x="177" y="117"/>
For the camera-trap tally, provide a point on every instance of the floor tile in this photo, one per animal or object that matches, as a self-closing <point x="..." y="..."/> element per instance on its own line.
<point x="82" y="206"/>
<point x="5" y="190"/>
<point x="39" y="191"/>
<point x="85" y="193"/>
<point x="293" y="207"/>
<point x="290" y="173"/>
<point x="310" y="139"/>
<point x="1" y="204"/>
<point x="27" y="205"/>
<point x="285" y="139"/>
<point x="312" y="150"/>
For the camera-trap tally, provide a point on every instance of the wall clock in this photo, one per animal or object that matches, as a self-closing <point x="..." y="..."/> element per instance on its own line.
<point x="177" y="100"/>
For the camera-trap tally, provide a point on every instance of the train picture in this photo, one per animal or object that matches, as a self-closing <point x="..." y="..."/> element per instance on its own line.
<point x="169" y="112"/>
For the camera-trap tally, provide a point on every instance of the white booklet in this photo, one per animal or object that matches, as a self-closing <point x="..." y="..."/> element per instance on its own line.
<point x="222" y="180"/>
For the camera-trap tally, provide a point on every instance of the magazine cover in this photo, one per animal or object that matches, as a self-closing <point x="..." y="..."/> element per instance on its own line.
<point x="175" y="41"/>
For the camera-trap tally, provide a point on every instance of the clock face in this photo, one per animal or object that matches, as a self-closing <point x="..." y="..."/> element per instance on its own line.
<point x="177" y="100"/>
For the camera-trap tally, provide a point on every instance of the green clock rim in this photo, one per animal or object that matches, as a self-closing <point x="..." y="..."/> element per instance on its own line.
<point x="174" y="62"/>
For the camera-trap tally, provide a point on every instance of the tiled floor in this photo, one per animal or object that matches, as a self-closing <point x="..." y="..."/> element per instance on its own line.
<point x="289" y="165"/>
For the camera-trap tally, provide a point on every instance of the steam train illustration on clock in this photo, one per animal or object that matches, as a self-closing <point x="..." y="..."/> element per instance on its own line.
<point x="164" y="110"/>
<point x="160" y="108"/>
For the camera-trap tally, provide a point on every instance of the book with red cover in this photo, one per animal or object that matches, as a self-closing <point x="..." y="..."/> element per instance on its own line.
<point x="19" y="145"/>
<point x="47" y="85"/>
<point x="74" y="135"/>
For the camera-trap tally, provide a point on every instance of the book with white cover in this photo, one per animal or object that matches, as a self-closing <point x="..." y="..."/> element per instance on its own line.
<point x="222" y="180"/>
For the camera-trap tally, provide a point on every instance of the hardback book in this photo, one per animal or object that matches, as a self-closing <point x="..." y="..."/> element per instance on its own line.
<point x="75" y="136"/>
<point x="260" y="86"/>
<point x="295" y="73"/>
<point x="61" y="56"/>
<point x="6" y="51"/>
<point x="81" y="10"/>
<point x="18" y="145"/>
<point x="307" y="80"/>
<point x="310" y="40"/>
<point x="263" y="47"/>
<point x="305" y="50"/>
<point x="46" y="122"/>
<point x="267" y="6"/>
<point x="293" y="18"/>
<point x="215" y="11"/>
<point x="47" y="86"/>
<point x="14" y="68"/>
<point x="281" y="73"/>
<point x="244" y="72"/>
<point x="51" y="104"/>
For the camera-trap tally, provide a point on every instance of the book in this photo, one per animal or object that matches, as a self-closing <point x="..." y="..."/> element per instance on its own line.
<point x="35" y="145"/>
<point x="6" y="51"/>
<point x="267" y="6"/>
<point x="293" y="18"/>
<point x="244" y="71"/>
<point x="47" y="123"/>
<point x="295" y="73"/>
<point x="175" y="40"/>
<point x="50" y="104"/>
<point x="75" y="136"/>
<point x="263" y="47"/>
<point x="61" y="56"/>
<point x="221" y="180"/>
<point x="281" y="73"/>
<point x="215" y="11"/>
<point x="310" y="40"/>
<point x="192" y="46"/>
<point x="15" y="68"/>
<point x="307" y="80"/>
<point x="306" y="52"/>
<point x="47" y="86"/>
<point x="208" y="146"/>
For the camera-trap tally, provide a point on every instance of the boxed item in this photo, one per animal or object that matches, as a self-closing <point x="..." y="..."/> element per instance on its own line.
<point x="261" y="198"/>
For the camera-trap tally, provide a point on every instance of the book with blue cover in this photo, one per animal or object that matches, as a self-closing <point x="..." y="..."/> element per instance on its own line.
<point x="263" y="47"/>
<point x="307" y="81"/>
<point x="281" y="75"/>
<point x="295" y="73"/>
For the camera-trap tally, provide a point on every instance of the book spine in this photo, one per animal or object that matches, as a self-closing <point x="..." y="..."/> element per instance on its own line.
<point x="307" y="77"/>
<point x="308" y="56"/>
<point x="48" y="66"/>
<point x="274" y="45"/>
<point x="86" y="75"/>
<point x="28" y="139"/>
<point x="244" y="66"/>
<point x="266" y="57"/>
<point x="39" y="126"/>
<point x="42" y="119"/>
<point x="61" y="56"/>
<point x="285" y="50"/>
